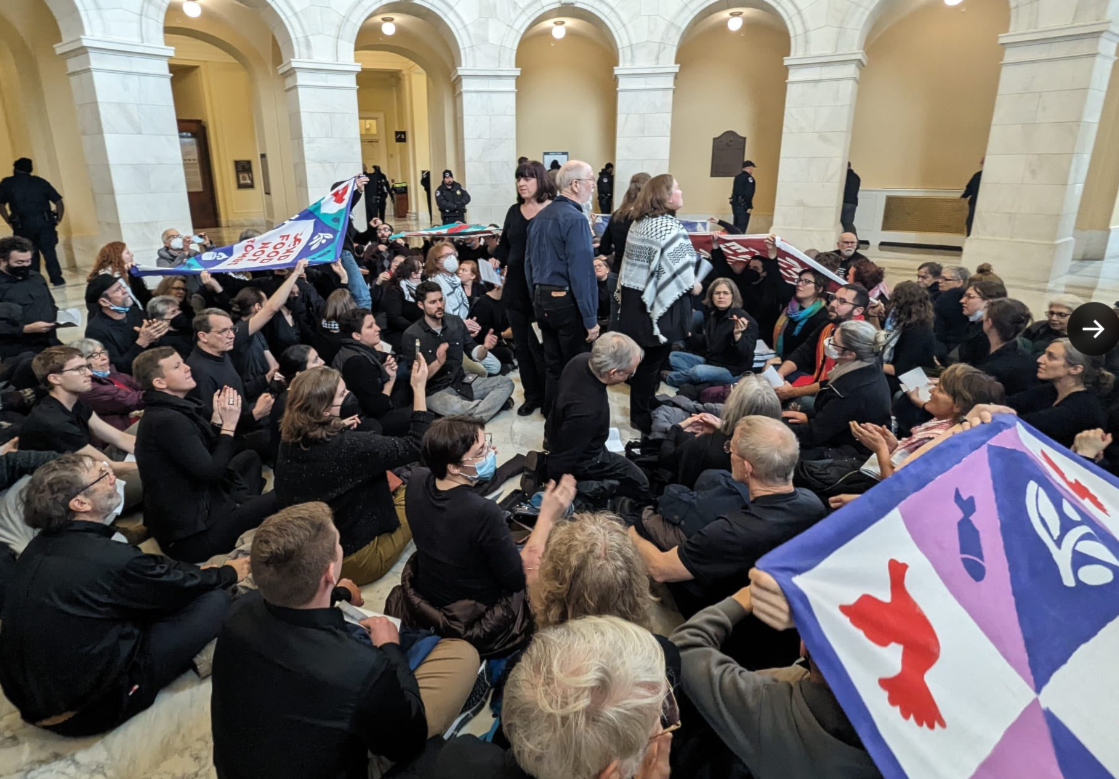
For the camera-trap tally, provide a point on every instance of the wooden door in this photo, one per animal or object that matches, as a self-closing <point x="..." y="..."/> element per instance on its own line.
<point x="199" y="175"/>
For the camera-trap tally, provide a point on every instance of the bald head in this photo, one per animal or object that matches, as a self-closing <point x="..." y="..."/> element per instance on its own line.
<point x="575" y="181"/>
<point x="769" y="447"/>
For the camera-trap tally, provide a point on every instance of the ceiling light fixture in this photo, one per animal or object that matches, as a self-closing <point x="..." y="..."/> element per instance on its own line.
<point x="192" y="9"/>
<point x="388" y="27"/>
<point x="952" y="2"/>
<point x="558" y="29"/>
<point x="734" y="23"/>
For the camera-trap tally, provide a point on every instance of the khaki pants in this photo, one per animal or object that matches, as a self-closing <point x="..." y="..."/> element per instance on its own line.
<point x="664" y="535"/>
<point x="373" y="561"/>
<point x="470" y="365"/>
<point x="446" y="677"/>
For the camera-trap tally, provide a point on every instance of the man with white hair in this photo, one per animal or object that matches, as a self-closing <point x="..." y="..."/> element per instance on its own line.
<point x="1055" y="325"/>
<point x="559" y="269"/>
<point x="579" y="424"/>
<point x="848" y="248"/>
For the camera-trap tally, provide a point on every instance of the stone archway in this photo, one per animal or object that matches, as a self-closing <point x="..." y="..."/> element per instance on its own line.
<point x="694" y="11"/>
<point x="281" y="16"/>
<point x="443" y="16"/>
<point x="603" y="13"/>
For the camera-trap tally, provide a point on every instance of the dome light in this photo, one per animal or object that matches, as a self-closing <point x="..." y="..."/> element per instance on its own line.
<point x="734" y="23"/>
<point x="192" y="9"/>
<point x="558" y="30"/>
<point x="952" y="2"/>
<point x="388" y="27"/>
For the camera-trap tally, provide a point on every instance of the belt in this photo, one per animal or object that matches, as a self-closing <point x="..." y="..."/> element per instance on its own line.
<point x="552" y="288"/>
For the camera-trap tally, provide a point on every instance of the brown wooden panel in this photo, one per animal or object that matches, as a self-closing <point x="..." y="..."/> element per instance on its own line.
<point x="912" y="214"/>
<point x="195" y="148"/>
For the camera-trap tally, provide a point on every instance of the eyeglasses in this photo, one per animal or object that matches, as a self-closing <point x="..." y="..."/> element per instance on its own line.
<point x="106" y="471"/>
<point x="1058" y="314"/>
<point x="946" y="280"/>
<point x="831" y="342"/>
<point x="81" y="370"/>
<point x="670" y="715"/>
<point x="95" y="355"/>
<point x="487" y="447"/>
<point x="223" y="331"/>
<point x="590" y="180"/>
<point x="970" y="296"/>
<point x="805" y="282"/>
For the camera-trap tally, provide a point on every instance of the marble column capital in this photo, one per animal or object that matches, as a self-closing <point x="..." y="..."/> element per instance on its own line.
<point x="320" y="74"/>
<point x="826" y="67"/>
<point x="485" y="80"/>
<point x="86" y="53"/>
<point x="643" y="78"/>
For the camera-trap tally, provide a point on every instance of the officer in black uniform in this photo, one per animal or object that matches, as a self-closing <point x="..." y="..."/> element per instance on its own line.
<point x="742" y="196"/>
<point x="376" y="195"/>
<point x="451" y="199"/>
<point x="606" y="189"/>
<point x="971" y="194"/>
<point x="25" y="204"/>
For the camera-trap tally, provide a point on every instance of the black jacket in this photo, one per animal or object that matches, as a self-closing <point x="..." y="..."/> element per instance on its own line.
<point x="363" y="371"/>
<point x="580" y="420"/>
<point x="118" y="336"/>
<point x="1013" y="364"/>
<point x="23" y="301"/>
<point x="1078" y="412"/>
<point x="950" y="322"/>
<point x="719" y="346"/>
<point x="859" y="396"/>
<point x="76" y="612"/>
<point x="400" y="314"/>
<point x="614" y="239"/>
<point x="184" y="456"/>
<point x="742" y="195"/>
<point x="452" y="202"/>
<point x="296" y="694"/>
<point x="851" y="188"/>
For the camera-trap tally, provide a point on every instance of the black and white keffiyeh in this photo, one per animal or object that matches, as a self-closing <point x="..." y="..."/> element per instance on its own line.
<point x="660" y="261"/>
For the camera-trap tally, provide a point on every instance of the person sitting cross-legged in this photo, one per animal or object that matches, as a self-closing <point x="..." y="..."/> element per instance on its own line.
<point x="579" y="424"/>
<point x="94" y="628"/>
<point x="371" y="374"/>
<point x="207" y="494"/>
<point x="726" y="344"/>
<point x="300" y="693"/>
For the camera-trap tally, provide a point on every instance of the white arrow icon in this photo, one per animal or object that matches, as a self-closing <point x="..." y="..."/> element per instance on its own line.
<point x="1098" y="329"/>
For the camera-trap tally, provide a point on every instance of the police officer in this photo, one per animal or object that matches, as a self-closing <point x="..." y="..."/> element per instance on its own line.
<point x="376" y="195"/>
<point x="25" y="204"/>
<point x="451" y="199"/>
<point x="742" y="196"/>
<point x="606" y="189"/>
<point x="971" y="194"/>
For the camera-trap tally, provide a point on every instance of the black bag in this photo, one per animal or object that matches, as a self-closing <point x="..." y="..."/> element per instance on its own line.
<point x="646" y="455"/>
<point x="828" y="478"/>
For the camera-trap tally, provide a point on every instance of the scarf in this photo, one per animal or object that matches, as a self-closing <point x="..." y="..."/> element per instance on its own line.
<point x="797" y="316"/>
<point x="408" y="287"/>
<point x="660" y="262"/>
<point x="455" y="300"/>
<point x="893" y="334"/>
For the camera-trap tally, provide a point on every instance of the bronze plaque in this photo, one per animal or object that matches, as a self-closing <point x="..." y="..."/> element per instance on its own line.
<point x="727" y="153"/>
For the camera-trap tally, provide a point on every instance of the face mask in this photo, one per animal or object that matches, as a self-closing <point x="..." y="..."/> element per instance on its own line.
<point x="101" y="374"/>
<point x="832" y="352"/>
<point x="120" y="309"/>
<point x="978" y="315"/>
<point x="485" y="469"/>
<point x="451" y="264"/>
<point x="108" y="520"/>
<point x="752" y="275"/>
<point x="177" y="244"/>
<point x="19" y="271"/>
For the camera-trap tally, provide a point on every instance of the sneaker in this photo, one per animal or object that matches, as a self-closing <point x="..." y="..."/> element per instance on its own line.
<point x="475" y="702"/>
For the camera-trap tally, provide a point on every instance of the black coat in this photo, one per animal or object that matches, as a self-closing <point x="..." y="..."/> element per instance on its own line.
<point x="452" y="202"/>
<point x="614" y="239"/>
<point x="742" y="195"/>
<point x="23" y="301"/>
<point x="720" y="348"/>
<point x="859" y="396"/>
<point x="1014" y="365"/>
<point x="950" y="323"/>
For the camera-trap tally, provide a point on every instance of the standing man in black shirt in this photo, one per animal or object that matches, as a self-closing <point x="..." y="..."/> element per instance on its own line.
<point x="850" y="200"/>
<point x="971" y="194"/>
<point x="119" y="325"/>
<point x="27" y="309"/>
<point x="451" y="199"/>
<point x="377" y="196"/>
<point x="606" y="189"/>
<point x="25" y="204"/>
<point x="742" y="196"/>
<point x="93" y="628"/>
<point x="297" y="691"/>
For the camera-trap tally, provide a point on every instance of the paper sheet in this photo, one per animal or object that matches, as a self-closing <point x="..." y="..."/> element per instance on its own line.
<point x="771" y="375"/>
<point x="354" y="615"/>
<point x="69" y="317"/>
<point x="614" y="441"/>
<point x="489" y="275"/>
<point x="917" y="380"/>
<point x="702" y="269"/>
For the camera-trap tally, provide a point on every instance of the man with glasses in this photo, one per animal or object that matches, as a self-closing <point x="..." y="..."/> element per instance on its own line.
<point x="62" y="422"/>
<point x="848" y="248"/>
<point x="810" y="364"/>
<point x="559" y="269"/>
<point x="949" y="321"/>
<point x="93" y="628"/>
<point x="1055" y="324"/>
<point x="120" y="325"/>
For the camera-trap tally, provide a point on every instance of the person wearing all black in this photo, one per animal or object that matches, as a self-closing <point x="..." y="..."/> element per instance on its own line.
<point x="119" y="325"/>
<point x="378" y="196"/>
<point x="451" y="199"/>
<point x="489" y="312"/>
<point x="25" y="204"/>
<point x="724" y="349"/>
<point x="51" y="427"/>
<point x="950" y="323"/>
<point x="765" y="292"/>
<point x="1010" y="358"/>
<point x="605" y="292"/>
<point x="971" y="194"/>
<point x="928" y="276"/>
<point x="910" y="341"/>
<point x="94" y="628"/>
<point x="207" y="494"/>
<point x="850" y="200"/>
<point x="535" y="190"/>
<point x="606" y="189"/>
<point x="742" y="196"/>
<point x="1067" y="399"/>
<point x="559" y="269"/>
<point x="398" y="303"/>
<point x="371" y="375"/>
<point x="579" y="424"/>
<point x="27" y="309"/>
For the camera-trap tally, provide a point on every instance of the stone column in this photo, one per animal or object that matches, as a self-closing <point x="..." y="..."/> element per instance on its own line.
<point x="325" y="131"/>
<point x="1051" y="94"/>
<point x="126" y="116"/>
<point x="644" y="123"/>
<point x="486" y="105"/>
<point x="815" y="141"/>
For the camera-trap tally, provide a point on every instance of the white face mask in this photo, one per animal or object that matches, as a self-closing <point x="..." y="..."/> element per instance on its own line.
<point x="177" y="243"/>
<point x="450" y="264"/>
<point x="978" y="315"/>
<point x="108" y="520"/>
<point x="832" y="352"/>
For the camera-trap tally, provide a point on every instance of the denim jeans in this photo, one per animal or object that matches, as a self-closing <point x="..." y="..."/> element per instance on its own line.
<point x="490" y="394"/>
<point x="355" y="281"/>
<point x="490" y="363"/>
<point x="690" y="368"/>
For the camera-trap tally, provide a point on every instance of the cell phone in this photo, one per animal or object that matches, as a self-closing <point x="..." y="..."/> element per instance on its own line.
<point x="417" y="347"/>
<point x="197" y="239"/>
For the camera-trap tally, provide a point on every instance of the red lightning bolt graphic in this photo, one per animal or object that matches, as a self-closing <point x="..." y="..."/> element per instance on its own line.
<point x="1078" y="488"/>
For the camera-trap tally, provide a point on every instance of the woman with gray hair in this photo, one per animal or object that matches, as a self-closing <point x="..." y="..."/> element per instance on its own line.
<point x="114" y="396"/>
<point x="855" y="391"/>
<point x="1055" y="325"/>
<point x="1068" y="401"/>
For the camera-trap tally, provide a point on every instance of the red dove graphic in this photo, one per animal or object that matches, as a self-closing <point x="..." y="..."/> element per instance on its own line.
<point x="340" y="196"/>
<point x="1077" y="486"/>
<point x="901" y="621"/>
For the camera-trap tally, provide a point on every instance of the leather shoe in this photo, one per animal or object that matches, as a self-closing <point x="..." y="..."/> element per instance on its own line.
<point x="526" y="409"/>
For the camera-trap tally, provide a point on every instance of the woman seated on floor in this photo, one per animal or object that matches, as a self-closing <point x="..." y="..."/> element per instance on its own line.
<point x="1068" y="401"/>
<point x="323" y="459"/>
<point x="725" y="346"/>
<point x="467" y="579"/>
<point x="1010" y="357"/>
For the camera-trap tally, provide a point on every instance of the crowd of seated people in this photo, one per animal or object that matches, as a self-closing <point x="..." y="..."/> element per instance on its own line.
<point x="325" y="420"/>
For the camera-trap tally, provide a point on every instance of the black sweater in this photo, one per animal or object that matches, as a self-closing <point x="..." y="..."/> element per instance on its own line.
<point x="720" y="348"/>
<point x="364" y="373"/>
<point x="580" y="420"/>
<point x="118" y="336"/>
<point x="859" y="396"/>
<point x="347" y="471"/>
<point x="614" y="239"/>
<point x="1013" y="364"/>
<point x="511" y="252"/>
<point x="1078" y="412"/>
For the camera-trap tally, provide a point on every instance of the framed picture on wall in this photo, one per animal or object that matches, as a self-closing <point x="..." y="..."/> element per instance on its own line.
<point x="244" y="170"/>
<point x="264" y="174"/>
<point x="554" y="156"/>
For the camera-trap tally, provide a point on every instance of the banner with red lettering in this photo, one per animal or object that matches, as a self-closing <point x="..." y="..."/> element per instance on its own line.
<point x="315" y="234"/>
<point x="743" y="248"/>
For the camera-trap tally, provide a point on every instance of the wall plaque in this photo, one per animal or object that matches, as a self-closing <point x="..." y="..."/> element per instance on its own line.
<point x="727" y="153"/>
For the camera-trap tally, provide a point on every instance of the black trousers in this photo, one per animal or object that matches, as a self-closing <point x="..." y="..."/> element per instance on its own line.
<point x="632" y="482"/>
<point x="530" y="356"/>
<point x="564" y="336"/>
<point x="847" y="217"/>
<point x="169" y="645"/>
<point x="643" y="386"/>
<point x="741" y="219"/>
<point x="45" y="240"/>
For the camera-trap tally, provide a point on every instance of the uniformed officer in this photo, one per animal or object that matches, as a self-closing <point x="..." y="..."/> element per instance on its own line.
<point x="606" y="189"/>
<point x="25" y="204"/>
<point x="451" y="199"/>
<point x="742" y="196"/>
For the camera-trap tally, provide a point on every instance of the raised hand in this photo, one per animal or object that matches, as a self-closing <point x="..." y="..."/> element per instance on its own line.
<point x="473" y="327"/>
<point x="1091" y="443"/>
<point x="768" y="601"/>
<point x="740" y="325"/>
<point x="420" y="371"/>
<point x="227" y="407"/>
<point x="263" y="406"/>
<point x="491" y="340"/>
<point x="300" y="268"/>
<point x="557" y="497"/>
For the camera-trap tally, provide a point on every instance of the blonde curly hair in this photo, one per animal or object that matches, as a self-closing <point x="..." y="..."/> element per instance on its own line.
<point x="590" y="567"/>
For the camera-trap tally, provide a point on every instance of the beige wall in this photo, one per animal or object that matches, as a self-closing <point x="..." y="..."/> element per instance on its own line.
<point x="566" y="99"/>
<point x="210" y="85"/>
<point x="1102" y="184"/>
<point x="927" y="95"/>
<point x="711" y="98"/>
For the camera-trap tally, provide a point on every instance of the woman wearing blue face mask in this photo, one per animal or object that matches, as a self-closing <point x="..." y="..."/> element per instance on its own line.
<point x="466" y="579"/>
<point x="114" y="396"/>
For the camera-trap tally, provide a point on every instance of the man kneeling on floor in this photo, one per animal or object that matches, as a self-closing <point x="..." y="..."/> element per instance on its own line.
<point x="297" y="691"/>
<point x="92" y="628"/>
